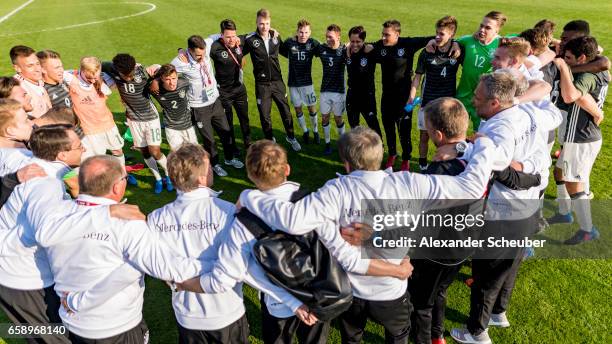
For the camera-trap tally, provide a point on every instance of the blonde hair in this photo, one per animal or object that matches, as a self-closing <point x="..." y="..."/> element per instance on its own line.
<point x="263" y="13"/>
<point x="92" y="64"/>
<point x="266" y="163"/>
<point x="517" y="47"/>
<point x="361" y="148"/>
<point x="448" y="115"/>
<point x="8" y="109"/>
<point x="186" y="165"/>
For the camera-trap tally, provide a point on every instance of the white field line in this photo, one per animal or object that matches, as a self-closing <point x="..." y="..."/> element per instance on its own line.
<point x="151" y="8"/>
<point x="10" y="14"/>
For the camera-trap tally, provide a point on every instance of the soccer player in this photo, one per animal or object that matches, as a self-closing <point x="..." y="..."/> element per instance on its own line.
<point x="333" y="59"/>
<point x="89" y="94"/>
<point x="361" y="93"/>
<point x="29" y="74"/>
<point x="583" y="138"/>
<point x="263" y="45"/>
<point x="132" y="81"/>
<point x="440" y="77"/>
<point x="395" y="55"/>
<point x="226" y="54"/>
<point x="53" y="76"/>
<point x="10" y="88"/>
<point x="172" y="97"/>
<point x="206" y="108"/>
<point x="300" y="50"/>
<point x="15" y="131"/>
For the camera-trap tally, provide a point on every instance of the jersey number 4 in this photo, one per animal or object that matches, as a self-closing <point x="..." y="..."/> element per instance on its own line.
<point x="443" y="72"/>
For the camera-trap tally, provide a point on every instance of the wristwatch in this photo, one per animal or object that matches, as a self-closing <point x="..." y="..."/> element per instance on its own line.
<point x="461" y="147"/>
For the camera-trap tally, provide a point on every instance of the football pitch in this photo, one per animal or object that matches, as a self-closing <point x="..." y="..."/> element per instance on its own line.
<point x="555" y="300"/>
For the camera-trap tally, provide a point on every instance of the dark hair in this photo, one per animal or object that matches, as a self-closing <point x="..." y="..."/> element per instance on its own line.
<point x="227" y="24"/>
<point x="394" y="24"/>
<point x="548" y="26"/>
<point x="196" y="42"/>
<point x="334" y="28"/>
<point x="165" y="70"/>
<point x="586" y="45"/>
<point x="499" y="17"/>
<point x="448" y="22"/>
<point x="44" y="55"/>
<point x="48" y="141"/>
<point x="358" y="30"/>
<point x="124" y="63"/>
<point x="537" y="38"/>
<point x="20" y="51"/>
<point x="579" y="25"/>
<point x="7" y="83"/>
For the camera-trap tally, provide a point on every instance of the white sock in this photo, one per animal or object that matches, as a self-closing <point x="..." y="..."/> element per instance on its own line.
<point x="302" y="122"/>
<point x="565" y="203"/>
<point x="121" y="159"/>
<point x="314" y="120"/>
<point x="340" y="129"/>
<point x="152" y="165"/>
<point x="163" y="163"/>
<point x="327" y="131"/>
<point x="582" y="206"/>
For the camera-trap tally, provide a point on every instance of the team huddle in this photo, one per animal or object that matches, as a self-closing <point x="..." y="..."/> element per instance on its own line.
<point x="71" y="253"/>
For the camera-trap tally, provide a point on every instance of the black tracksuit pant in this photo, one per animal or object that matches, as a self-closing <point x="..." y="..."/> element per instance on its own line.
<point x="266" y="93"/>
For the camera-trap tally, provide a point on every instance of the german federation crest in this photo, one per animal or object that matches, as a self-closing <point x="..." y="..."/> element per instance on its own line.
<point x="181" y="93"/>
<point x="363" y="62"/>
<point x="137" y="78"/>
<point x="383" y="52"/>
<point x="339" y="52"/>
<point x="224" y="54"/>
<point x="400" y="52"/>
<point x="256" y="43"/>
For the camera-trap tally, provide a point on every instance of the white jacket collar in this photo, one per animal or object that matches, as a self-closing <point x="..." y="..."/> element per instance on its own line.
<point x="283" y="189"/>
<point x="54" y="169"/>
<point x="94" y="200"/>
<point x="199" y="193"/>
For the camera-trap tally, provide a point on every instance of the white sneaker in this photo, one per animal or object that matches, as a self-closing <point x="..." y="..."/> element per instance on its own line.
<point x="295" y="145"/>
<point x="500" y="320"/>
<point x="219" y="170"/>
<point x="462" y="335"/>
<point x="235" y="163"/>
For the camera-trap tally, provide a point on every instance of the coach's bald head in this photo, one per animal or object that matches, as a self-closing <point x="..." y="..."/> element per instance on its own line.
<point x="102" y="176"/>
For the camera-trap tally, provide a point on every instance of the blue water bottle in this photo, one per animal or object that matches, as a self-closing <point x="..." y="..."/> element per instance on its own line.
<point x="414" y="103"/>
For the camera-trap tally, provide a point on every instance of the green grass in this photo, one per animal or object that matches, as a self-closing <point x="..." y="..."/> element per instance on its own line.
<point x="555" y="300"/>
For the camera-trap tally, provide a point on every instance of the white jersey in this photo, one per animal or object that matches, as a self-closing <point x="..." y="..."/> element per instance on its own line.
<point x="87" y="245"/>
<point x="339" y="202"/>
<point x="12" y="159"/>
<point x="203" y="90"/>
<point x="23" y="265"/>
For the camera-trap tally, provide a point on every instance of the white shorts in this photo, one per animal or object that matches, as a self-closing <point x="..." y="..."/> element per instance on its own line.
<point x="421" y="119"/>
<point x="98" y="144"/>
<point x="176" y="138"/>
<point x="303" y="95"/>
<point x="332" y="102"/>
<point x="577" y="159"/>
<point x="146" y="133"/>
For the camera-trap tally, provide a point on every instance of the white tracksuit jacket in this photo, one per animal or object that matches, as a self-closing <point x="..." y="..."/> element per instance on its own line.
<point x="87" y="245"/>
<point x="12" y="159"/>
<point x="339" y="202"/>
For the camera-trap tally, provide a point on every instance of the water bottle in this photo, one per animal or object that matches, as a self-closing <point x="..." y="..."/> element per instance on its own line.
<point x="414" y="103"/>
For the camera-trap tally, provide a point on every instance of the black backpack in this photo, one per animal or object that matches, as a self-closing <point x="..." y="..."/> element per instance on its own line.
<point x="301" y="264"/>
